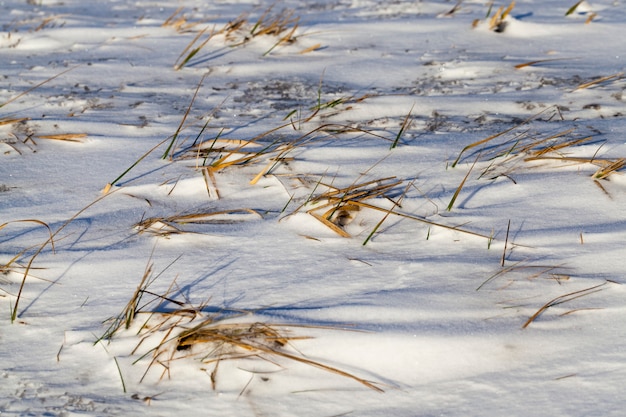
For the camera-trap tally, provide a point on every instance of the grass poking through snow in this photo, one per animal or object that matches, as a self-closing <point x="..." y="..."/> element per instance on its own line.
<point x="166" y="336"/>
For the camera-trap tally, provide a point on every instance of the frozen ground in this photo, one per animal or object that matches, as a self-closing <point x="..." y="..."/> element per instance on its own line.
<point x="476" y="268"/>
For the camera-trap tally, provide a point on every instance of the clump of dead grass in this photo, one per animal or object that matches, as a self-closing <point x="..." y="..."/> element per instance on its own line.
<point x="517" y="148"/>
<point x="337" y="207"/>
<point x="170" y="331"/>
<point x="497" y="23"/>
<point x="281" y="25"/>
<point x="211" y="339"/>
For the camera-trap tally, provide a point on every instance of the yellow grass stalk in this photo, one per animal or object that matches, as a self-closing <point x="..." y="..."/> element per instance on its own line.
<point x="311" y="49"/>
<point x="539" y="61"/>
<point x="211" y="217"/>
<point x="496" y="19"/>
<point x="169" y="225"/>
<point x="496" y="22"/>
<point x="288" y="38"/>
<point x="600" y="80"/>
<point x="332" y="226"/>
<point x="208" y="173"/>
<point x="170" y="21"/>
<point x="67" y="137"/>
<point x="11" y="121"/>
<point x="180" y="62"/>
<point x="555" y="147"/>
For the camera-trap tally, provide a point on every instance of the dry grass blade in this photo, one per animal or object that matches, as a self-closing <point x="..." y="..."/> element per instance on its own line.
<point x="173" y="19"/>
<point x="66" y="137"/>
<point x="521" y="266"/>
<point x="506" y="242"/>
<point x="9" y="266"/>
<point x="180" y="61"/>
<point x="539" y="61"/>
<point x="600" y="80"/>
<point x="563" y="299"/>
<point x="288" y="38"/>
<point x="37" y="86"/>
<point x="535" y="150"/>
<point x="208" y="173"/>
<point x="164" y="226"/>
<point x="11" y="121"/>
<point x="332" y="226"/>
<point x="311" y="49"/>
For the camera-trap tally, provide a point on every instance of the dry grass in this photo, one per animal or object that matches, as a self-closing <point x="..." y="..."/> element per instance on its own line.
<point x="539" y="61"/>
<point x="336" y="207"/>
<point x="281" y="25"/>
<point x="65" y="137"/>
<point x="164" y="226"/>
<point x="212" y="339"/>
<point x="12" y="120"/>
<point x="39" y="248"/>
<point x="563" y="299"/>
<point x="515" y="148"/>
<point x="14" y="98"/>
<point x="13" y="265"/>
<point x="555" y="272"/>
<point x="614" y="77"/>
<point x="497" y="22"/>
<point x="168" y="335"/>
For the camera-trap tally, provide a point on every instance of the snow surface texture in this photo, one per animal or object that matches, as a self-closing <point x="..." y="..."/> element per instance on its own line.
<point x="431" y="295"/>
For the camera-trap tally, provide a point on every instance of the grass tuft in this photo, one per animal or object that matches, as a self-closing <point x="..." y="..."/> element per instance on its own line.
<point x="185" y="332"/>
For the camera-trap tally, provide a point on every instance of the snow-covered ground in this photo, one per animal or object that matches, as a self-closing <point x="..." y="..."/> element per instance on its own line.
<point x="424" y="199"/>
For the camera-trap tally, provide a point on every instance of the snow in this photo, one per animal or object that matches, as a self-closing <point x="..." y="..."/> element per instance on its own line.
<point x="431" y="298"/>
